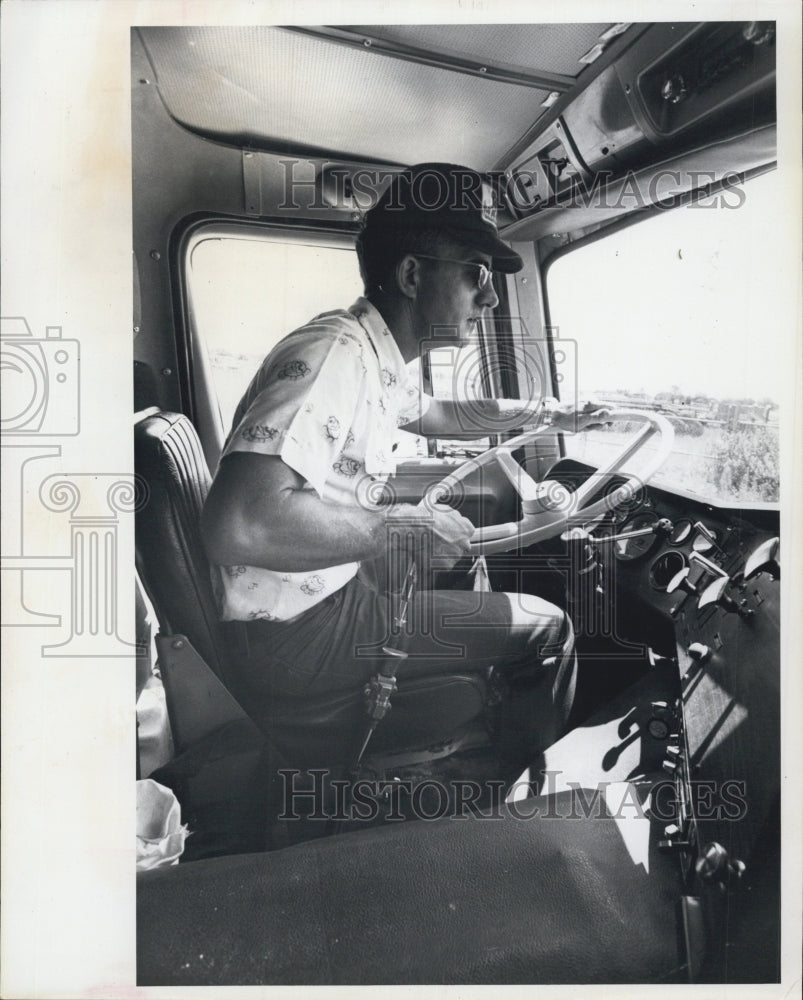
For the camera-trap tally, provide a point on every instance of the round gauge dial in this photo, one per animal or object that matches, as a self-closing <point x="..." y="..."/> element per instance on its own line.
<point x="681" y="532"/>
<point x="665" y="568"/>
<point x="629" y="549"/>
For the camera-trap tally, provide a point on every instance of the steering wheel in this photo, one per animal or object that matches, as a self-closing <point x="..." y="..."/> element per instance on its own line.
<point x="548" y="508"/>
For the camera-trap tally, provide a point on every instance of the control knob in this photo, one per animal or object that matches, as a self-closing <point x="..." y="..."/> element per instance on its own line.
<point x="699" y="652"/>
<point x="715" y="866"/>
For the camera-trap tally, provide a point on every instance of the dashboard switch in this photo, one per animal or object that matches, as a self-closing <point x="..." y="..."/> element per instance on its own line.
<point x="680" y="581"/>
<point x="706" y="539"/>
<point x="714" y="593"/>
<point x="766" y="558"/>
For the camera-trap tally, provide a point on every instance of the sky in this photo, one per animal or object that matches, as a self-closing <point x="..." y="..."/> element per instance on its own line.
<point x="685" y="299"/>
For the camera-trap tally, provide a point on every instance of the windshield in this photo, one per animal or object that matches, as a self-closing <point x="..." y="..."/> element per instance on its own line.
<point x="675" y="315"/>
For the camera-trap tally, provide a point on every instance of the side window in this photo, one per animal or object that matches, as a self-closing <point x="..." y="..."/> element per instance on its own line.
<point x="246" y="293"/>
<point x="674" y="315"/>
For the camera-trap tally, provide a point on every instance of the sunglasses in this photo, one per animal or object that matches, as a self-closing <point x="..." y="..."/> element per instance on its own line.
<point x="483" y="278"/>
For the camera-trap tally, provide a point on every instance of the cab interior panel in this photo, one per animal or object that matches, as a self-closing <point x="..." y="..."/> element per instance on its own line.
<point x="339" y="841"/>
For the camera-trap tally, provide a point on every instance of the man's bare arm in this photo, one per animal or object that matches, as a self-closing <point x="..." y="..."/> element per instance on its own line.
<point x="478" y="418"/>
<point x="466" y="420"/>
<point x="259" y="512"/>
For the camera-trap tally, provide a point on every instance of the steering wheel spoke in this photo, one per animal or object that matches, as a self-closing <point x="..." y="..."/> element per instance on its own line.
<point x="526" y="487"/>
<point x="600" y="479"/>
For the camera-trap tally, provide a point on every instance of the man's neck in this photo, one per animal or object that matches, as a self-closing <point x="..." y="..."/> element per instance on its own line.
<point x="397" y="315"/>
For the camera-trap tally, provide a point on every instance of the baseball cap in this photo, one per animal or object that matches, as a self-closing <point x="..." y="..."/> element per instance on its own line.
<point x="445" y="194"/>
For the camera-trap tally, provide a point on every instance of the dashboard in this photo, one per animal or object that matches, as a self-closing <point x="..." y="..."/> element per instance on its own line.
<point x="705" y="581"/>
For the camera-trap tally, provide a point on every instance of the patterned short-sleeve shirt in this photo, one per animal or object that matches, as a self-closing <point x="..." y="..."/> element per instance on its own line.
<point x="328" y="400"/>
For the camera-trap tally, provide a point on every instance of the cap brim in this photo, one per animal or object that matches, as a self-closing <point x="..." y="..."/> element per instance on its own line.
<point x="504" y="259"/>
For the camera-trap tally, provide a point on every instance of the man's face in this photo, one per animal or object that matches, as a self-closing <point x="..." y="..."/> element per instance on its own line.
<point x="450" y="300"/>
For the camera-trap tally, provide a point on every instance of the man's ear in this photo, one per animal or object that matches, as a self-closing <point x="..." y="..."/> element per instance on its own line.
<point x="408" y="275"/>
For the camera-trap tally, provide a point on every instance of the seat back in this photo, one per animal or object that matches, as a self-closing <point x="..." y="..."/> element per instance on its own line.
<point x="170" y="555"/>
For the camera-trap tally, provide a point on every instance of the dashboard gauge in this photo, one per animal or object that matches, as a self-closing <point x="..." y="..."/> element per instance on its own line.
<point x="665" y="568"/>
<point x="630" y="549"/>
<point x="681" y="531"/>
<point x="703" y="544"/>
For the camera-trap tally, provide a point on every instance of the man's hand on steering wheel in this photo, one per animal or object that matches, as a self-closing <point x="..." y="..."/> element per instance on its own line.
<point x="449" y="532"/>
<point x="571" y="418"/>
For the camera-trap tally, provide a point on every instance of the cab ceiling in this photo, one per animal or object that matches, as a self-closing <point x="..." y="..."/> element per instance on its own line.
<point x="392" y="94"/>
